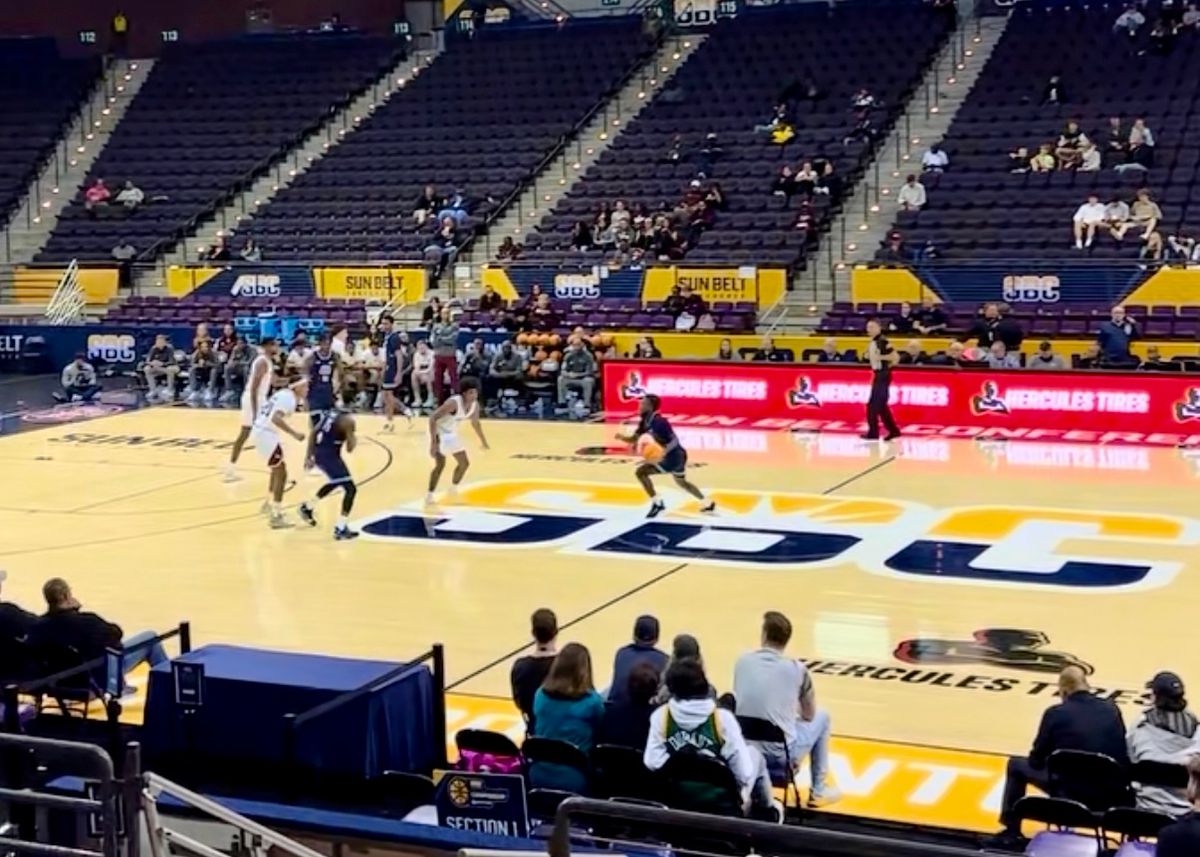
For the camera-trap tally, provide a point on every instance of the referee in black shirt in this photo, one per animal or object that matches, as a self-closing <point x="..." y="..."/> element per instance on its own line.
<point x="882" y="357"/>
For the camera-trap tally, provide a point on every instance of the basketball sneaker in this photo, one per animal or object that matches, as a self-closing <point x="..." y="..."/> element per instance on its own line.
<point x="709" y="508"/>
<point x="342" y="534"/>
<point x="656" y="508"/>
<point x="279" y="522"/>
<point x="306" y="514"/>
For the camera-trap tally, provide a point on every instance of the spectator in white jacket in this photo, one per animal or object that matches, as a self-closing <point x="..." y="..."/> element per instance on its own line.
<point x="1167" y="732"/>
<point x="692" y="722"/>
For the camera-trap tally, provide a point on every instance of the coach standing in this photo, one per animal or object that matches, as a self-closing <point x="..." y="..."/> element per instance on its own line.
<point x="882" y="357"/>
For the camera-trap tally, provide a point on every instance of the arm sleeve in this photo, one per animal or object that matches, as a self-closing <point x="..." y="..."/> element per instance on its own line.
<point x="655" y="755"/>
<point x="1043" y="744"/>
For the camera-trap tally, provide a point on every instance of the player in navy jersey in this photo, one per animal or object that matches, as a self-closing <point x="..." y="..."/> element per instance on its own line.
<point x="324" y="372"/>
<point x="393" y="346"/>
<point x="674" y="460"/>
<point x="334" y="432"/>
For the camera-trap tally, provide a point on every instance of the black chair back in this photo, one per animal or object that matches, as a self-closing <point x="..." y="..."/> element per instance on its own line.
<point x="1094" y="779"/>
<point x="1132" y="823"/>
<point x="618" y="772"/>
<point x="400" y="792"/>
<point x="555" y="752"/>
<point x="485" y="741"/>
<point x="1167" y="775"/>
<point x="543" y="803"/>
<point x="691" y="781"/>
<point x="759" y="731"/>
<point x="1055" y="811"/>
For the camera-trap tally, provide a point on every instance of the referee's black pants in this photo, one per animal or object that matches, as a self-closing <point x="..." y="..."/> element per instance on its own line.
<point x="877" y="404"/>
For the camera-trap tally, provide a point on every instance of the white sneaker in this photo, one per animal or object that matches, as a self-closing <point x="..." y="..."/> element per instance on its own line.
<point x="430" y="500"/>
<point x="823" y="797"/>
<point x="452" y="494"/>
<point x="279" y="522"/>
<point x="231" y="475"/>
<point x="265" y="508"/>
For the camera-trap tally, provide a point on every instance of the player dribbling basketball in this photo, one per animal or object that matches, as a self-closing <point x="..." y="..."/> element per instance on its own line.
<point x="672" y="457"/>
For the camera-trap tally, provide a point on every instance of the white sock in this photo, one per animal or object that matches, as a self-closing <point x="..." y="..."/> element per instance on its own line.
<point x="276" y="508"/>
<point x="342" y="523"/>
<point x="1078" y="244"/>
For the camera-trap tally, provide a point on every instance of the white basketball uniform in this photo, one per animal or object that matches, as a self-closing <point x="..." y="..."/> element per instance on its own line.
<point x="265" y="435"/>
<point x="446" y="427"/>
<point x="250" y="409"/>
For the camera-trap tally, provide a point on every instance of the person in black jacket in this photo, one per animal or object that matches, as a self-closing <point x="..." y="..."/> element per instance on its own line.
<point x="1080" y="722"/>
<point x="1182" y="838"/>
<point x="15" y="623"/>
<point x="627" y="722"/>
<point x="529" y="671"/>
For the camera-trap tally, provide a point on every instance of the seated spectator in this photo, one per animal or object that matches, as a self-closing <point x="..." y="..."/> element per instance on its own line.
<point x="952" y="356"/>
<point x="693" y="301"/>
<point x="1141" y="144"/>
<point x="806" y="179"/>
<point x="66" y="628"/>
<point x="455" y="208"/>
<point x="508" y="250"/>
<point x="1045" y="358"/>
<point x="297" y="355"/>
<point x="999" y="358"/>
<point x="218" y="252"/>
<point x="15" y="623"/>
<point x="426" y="204"/>
<point x="772" y="686"/>
<point x="1115" y="336"/>
<point x="864" y="131"/>
<point x="1145" y="214"/>
<point x="893" y="250"/>
<point x="784" y="185"/>
<point x="79" y="382"/>
<point x="1154" y="361"/>
<point x="237" y="367"/>
<point x="645" y="349"/>
<point x="829" y="352"/>
<point x="769" y="353"/>
<point x="474" y="361"/>
<point x="1088" y="217"/>
<point x="935" y="159"/>
<point x="579" y="371"/>
<point x="131" y="197"/>
<point x="1161" y="40"/>
<point x="911" y="196"/>
<point x="1043" y="161"/>
<point x="432" y="312"/>
<point x="202" y="371"/>
<point x="530" y="671"/>
<point x="505" y="373"/>
<point x="1081" y="721"/>
<point x="543" y="318"/>
<point x="725" y="351"/>
<point x="626" y="720"/>
<point x="1019" y="160"/>
<point x="96" y="197"/>
<point x="806" y="222"/>
<point x="1116" y="218"/>
<point x="1054" y="92"/>
<point x="566" y="708"/>
<point x="643" y="650"/>
<point x="620" y="216"/>
<point x="692" y="723"/>
<point x="1089" y="158"/>
<point x="904" y="321"/>
<point x="862" y="101"/>
<point x="161" y="365"/>
<point x="913" y="355"/>
<point x="930" y="319"/>
<point x="708" y="154"/>
<point x="1090" y="359"/>
<point x="674" y="152"/>
<point x="442" y="247"/>
<point x="1129" y="21"/>
<point x="684" y="646"/>
<point x="422" y="375"/>
<point x="489" y="301"/>
<point x="778" y="119"/>
<point x="1070" y="145"/>
<point x="1191" y="18"/>
<point x="124" y="252"/>
<point x="1182" y="838"/>
<point x="581" y="236"/>
<point x="1116" y="140"/>
<point x="1183" y="248"/>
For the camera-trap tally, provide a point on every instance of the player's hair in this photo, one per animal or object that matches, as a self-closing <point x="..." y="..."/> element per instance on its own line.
<point x="387" y="316"/>
<point x="267" y="340"/>
<point x="544" y="624"/>
<point x="323" y="338"/>
<point x="776" y="628"/>
<point x="655" y="401"/>
<point x="876" y="320"/>
<point x="468" y="384"/>
<point x="571" y="673"/>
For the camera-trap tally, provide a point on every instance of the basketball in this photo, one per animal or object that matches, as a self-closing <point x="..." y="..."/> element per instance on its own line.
<point x="649" y="449"/>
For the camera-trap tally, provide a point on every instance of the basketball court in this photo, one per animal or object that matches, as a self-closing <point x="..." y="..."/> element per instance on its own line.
<point x="936" y="586"/>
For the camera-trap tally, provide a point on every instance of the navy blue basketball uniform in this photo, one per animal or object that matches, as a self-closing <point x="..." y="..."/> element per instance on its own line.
<point x="675" y="457"/>
<point x="327" y="448"/>
<point x="391" y="355"/>
<point x="321" y="395"/>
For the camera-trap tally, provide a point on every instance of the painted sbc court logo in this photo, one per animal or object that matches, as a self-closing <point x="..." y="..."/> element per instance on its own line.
<point x="981" y="545"/>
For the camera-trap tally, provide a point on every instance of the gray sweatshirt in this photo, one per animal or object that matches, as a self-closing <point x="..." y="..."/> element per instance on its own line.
<point x="443" y="337"/>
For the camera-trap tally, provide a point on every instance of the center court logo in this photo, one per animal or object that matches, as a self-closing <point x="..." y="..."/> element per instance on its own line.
<point x="1001" y="647"/>
<point x="256" y="286"/>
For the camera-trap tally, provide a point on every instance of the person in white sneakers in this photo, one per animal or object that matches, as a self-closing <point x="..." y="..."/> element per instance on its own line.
<point x="1088" y="217"/>
<point x="271" y="420"/>
<point x="443" y="435"/>
<point x="254" y="396"/>
<point x="771" y="686"/>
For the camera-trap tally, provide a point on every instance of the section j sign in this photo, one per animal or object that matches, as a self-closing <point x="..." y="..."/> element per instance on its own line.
<point x="1159" y="410"/>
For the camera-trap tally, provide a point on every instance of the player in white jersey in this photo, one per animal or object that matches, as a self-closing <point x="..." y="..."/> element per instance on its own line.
<point x="444" y="439"/>
<point x="271" y="420"/>
<point x="254" y="396"/>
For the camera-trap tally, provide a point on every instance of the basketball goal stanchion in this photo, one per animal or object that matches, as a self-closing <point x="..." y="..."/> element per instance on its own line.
<point x="68" y="304"/>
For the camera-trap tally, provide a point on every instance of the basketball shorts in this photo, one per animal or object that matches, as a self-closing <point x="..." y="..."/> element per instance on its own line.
<point x="391" y="377"/>
<point x="674" y="462"/>
<point x="268" y="445"/>
<point x="450" y="443"/>
<point x="331" y="464"/>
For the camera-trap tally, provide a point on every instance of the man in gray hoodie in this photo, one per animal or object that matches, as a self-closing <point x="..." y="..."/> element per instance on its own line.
<point x="1167" y="732"/>
<point x="443" y="338"/>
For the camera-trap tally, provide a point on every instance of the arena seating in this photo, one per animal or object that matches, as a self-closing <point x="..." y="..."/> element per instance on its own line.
<point x="39" y="92"/>
<point x="979" y="210"/>
<point x="729" y="86"/>
<point x="219" y="310"/>
<point x="619" y="314"/>
<point x="208" y="116"/>
<point x="480" y="119"/>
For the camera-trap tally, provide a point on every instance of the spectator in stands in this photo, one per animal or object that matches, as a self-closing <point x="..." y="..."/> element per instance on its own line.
<point x="1116" y="140"/>
<point x="1054" y="92"/>
<point x="422" y="376"/>
<point x="784" y="185"/>
<point x="218" y="252"/>
<point x="1182" y="838"/>
<point x="506" y="371"/>
<point x="161" y="365"/>
<point x="1183" y="248"/>
<point x="79" y="382"/>
<point x="432" y="312"/>
<point x="1115" y="336"/>
<point x="542" y="318"/>
<point x="992" y="326"/>
<point x="645" y="349"/>
<point x="1116" y="218"/>
<point x="1089" y="158"/>
<point x="643" y="650"/>
<point x="806" y="179"/>
<point x="443" y="339"/>
<point x="1088" y="217"/>
<point x="426" y="204"/>
<point x="952" y="356"/>
<point x="1141" y="145"/>
<point x="455" y="208"/>
<point x="725" y="351"/>
<point x="772" y="686"/>
<point x="708" y="154"/>
<point x="474" y="361"/>
<point x="566" y="708"/>
<point x="1161" y="40"/>
<point x="769" y="353"/>
<point x="903" y="321"/>
<point x="581" y="236"/>
<point x="935" y="159"/>
<point x="237" y="366"/>
<point x="124" y="253"/>
<point x="693" y="302"/>
<point x="96" y="197"/>
<point x="1167" y="732"/>
<point x="673" y="305"/>
<point x="829" y="352"/>
<point x="862" y="101"/>
<point x="1191" y="18"/>
<point x="1129" y="21"/>
<point x="443" y="247"/>
<point x="930" y="319"/>
<point x="683" y="647"/>
<point x="297" y="355"/>
<point x="1081" y="721"/>
<point x="999" y="357"/>
<point x="674" y="152"/>
<point x="1090" y="359"/>
<point x="509" y="250"/>
<point x="1069" y="150"/>
<point x="15" y="623"/>
<point x="778" y="119"/>
<point x="1145" y="214"/>
<point x="578" y="372"/>
<point x="911" y="196"/>
<point x="530" y="671"/>
<point x="489" y="301"/>
<point x="913" y="355"/>
<point x="1019" y="160"/>
<point x="131" y="197"/>
<point x="626" y="720"/>
<point x="1045" y="358"/>
<point x="66" y="629"/>
<point x="1043" y="161"/>
<point x="620" y="217"/>
<point x="691" y="722"/>
<point x="250" y="251"/>
<point x="893" y="250"/>
<point x="202" y="371"/>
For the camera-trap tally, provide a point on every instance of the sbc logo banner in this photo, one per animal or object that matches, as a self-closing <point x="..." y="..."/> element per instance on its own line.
<point x="1158" y="410"/>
